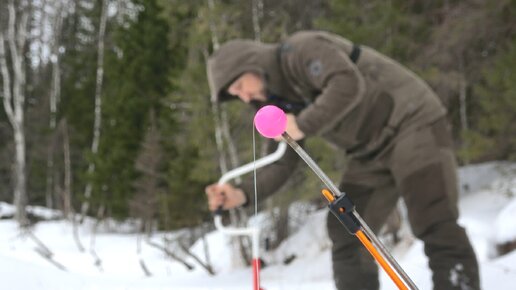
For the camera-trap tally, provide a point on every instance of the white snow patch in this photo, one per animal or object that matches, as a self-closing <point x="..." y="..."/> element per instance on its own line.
<point x="505" y="223"/>
<point x="487" y="212"/>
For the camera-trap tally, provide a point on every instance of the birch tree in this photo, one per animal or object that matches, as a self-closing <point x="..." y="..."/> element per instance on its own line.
<point x="67" y="192"/>
<point x="55" y="90"/>
<point x="463" y="86"/>
<point x="13" y="40"/>
<point x="98" y="105"/>
<point x="219" y="141"/>
<point x="257" y="13"/>
<point x="223" y="137"/>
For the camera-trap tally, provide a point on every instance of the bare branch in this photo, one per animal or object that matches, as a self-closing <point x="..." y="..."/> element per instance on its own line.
<point x="205" y="266"/>
<point x="49" y="258"/>
<point x="169" y="253"/>
<point x="144" y="268"/>
<point x="43" y="250"/>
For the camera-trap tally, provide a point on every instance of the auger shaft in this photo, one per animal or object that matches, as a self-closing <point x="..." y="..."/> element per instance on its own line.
<point x="364" y="234"/>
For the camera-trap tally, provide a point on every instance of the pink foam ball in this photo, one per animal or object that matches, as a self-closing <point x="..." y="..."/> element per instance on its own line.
<point x="270" y="121"/>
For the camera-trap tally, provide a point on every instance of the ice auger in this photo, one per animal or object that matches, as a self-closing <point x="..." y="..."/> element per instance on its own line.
<point x="271" y="122"/>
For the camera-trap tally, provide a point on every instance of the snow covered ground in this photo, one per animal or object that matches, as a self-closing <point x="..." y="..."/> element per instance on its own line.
<point x="488" y="211"/>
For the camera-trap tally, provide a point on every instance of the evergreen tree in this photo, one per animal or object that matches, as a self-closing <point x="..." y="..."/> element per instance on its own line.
<point x="149" y="185"/>
<point x="189" y="148"/>
<point x="78" y="65"/>
<point x="391" y="27"/>
<point x="495" y="137"/>
<point x="137" y="71"/>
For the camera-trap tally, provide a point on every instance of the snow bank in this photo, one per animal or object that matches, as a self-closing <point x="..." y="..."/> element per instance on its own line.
<point x="505" y="224"/>
<point x="6" y="210"/>
<point x="473" y="178"/>
<point x="20" y="274"/>
<point x="488" y="212"/>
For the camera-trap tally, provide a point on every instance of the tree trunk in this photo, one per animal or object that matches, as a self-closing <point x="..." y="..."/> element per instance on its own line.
<point x="49" y="201"/>
<point x="205" y="248"/>
<point x="55" y="89"/>
<point x="257" y="11"/>
<point x="100" y="217"/>
<point x="170" y="254"/>
<point x="67" y="192"/>
<point x="139" y="253"/>
<point x="98" y="105"/>
<point x="463" y="85"/>
<point x="55" y="92"/>
<point x="233" y="153"/>
<point x="14" y="99"/>
<point x="281" y="225"/>
<point x="44" y="251"/>
<point x="222" y="131"/>
<point x="206" y="266"/>
<point x="213" y="28"/>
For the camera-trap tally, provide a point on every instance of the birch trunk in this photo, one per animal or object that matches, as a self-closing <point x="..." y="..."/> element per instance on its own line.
<point x="232" y="150"/>
<point x="214" y="104"/>
<point x="98" y="105"/>
<point x="14" y="98"/>
<point x="67" y="192"/>
<point x="257" y="14"/>
<point x="207" y="256"/>
<point x="93" y="252"/>
<point x="55" y="89"/>
<point x="49" y="201"/>
<point x="257" y="11"/>
<point x="55" y="93"/>
<point x="222" y="133"/>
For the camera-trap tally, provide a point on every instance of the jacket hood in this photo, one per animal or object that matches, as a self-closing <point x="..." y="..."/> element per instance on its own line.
<point x="236" y="57"/>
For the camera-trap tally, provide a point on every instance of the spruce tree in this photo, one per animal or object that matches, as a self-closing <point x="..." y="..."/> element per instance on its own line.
<point x="137" y="71"/>
<point x="495" y="136"/>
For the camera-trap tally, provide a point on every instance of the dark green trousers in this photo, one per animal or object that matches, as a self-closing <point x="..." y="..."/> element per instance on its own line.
<point x="421" y="169"/>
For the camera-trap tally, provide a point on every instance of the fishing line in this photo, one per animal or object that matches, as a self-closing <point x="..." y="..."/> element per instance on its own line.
<point x="254" y="176"/>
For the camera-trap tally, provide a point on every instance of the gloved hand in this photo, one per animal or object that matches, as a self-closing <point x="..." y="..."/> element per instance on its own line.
<point x="225" y="195"/>
<point x="292" y="129"/>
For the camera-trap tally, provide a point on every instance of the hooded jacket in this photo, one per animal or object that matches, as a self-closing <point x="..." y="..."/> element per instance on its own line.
<point x="359" y="107"/>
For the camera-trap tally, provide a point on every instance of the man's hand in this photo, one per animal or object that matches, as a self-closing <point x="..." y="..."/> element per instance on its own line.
<point x="224" y="195"/>
<point x="292" y="129"/>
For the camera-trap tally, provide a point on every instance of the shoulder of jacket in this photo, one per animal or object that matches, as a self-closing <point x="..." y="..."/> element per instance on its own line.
<point x="306" y="40"/>
<point x="301" y="38"/>
<point x="294" y="45"/>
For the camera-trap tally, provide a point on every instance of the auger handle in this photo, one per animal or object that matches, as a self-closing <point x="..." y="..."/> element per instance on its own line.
<point x="239" y="171"/>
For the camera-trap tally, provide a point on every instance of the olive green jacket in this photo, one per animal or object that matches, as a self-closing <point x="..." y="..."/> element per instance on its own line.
<point x="359" y="107"/>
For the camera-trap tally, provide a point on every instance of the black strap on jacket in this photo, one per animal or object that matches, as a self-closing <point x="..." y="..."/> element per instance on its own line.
<point x="355" y="53"/>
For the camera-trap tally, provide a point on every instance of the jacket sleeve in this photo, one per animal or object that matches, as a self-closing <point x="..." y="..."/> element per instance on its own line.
<point x="322" y="67"/>
<point x="272" y="177"/>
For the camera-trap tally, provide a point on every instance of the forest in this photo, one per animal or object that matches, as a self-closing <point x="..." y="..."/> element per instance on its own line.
<point x="106" y="109"/>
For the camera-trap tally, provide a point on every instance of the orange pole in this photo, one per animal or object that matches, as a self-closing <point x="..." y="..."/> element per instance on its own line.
<point x="369" y="246"/>
<point x="372" y="250"/>
<point x="329" y="196"/>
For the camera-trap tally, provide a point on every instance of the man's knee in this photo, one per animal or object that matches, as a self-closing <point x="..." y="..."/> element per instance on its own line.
<point x="426" y="194"/>
<point x="433" y="214"/>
